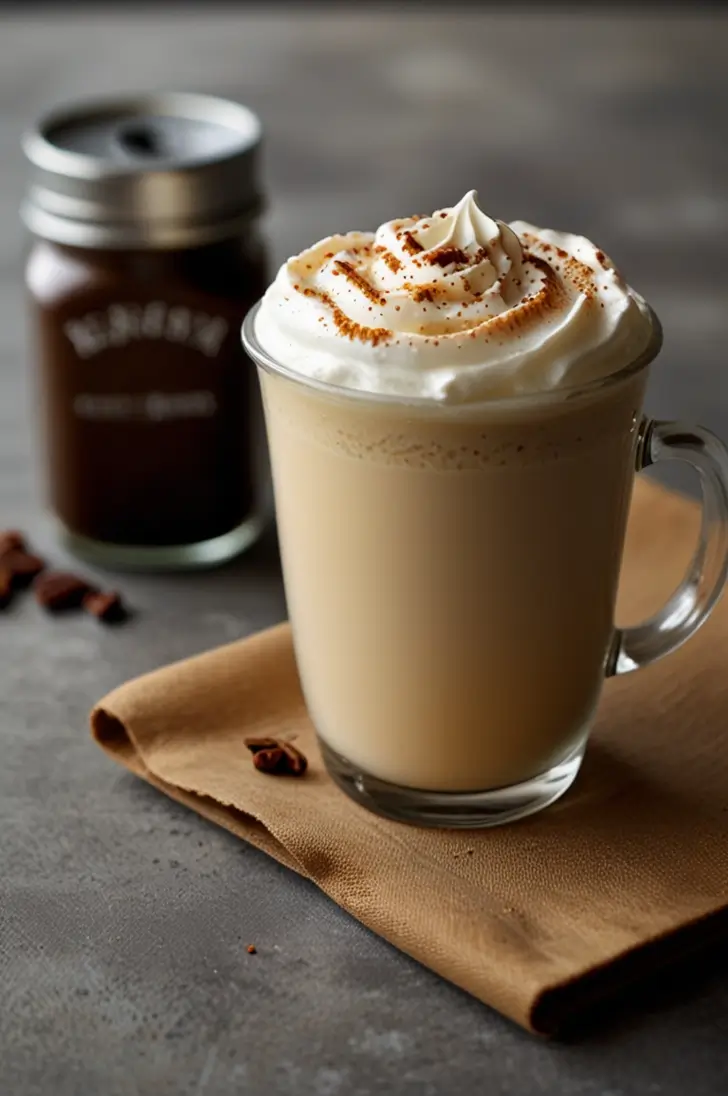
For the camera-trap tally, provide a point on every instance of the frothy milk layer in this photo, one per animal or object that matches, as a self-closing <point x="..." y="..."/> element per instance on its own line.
<point x="455" y="307"/>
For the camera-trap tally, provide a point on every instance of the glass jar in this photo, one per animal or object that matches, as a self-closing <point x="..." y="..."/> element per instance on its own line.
<point x="147" y="255"/>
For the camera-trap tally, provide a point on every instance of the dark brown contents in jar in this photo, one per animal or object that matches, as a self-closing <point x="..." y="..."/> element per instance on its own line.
<point x="151" y="406"/>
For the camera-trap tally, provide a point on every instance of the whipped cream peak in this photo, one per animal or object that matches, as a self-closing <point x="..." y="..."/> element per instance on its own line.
<point x="455" y="307"/>
<point x="454" y="236"/>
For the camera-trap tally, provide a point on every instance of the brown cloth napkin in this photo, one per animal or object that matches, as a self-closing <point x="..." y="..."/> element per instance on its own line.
<point x="535" y="918"/>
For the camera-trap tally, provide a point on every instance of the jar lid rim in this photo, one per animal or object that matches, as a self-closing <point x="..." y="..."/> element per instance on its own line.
<point x="90" y="188"/>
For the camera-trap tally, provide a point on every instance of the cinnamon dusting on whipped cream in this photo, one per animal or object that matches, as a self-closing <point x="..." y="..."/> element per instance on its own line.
<point x="411" y="245"/>
<point x="350" y="329"/>
<point x="424" y="293"/>
<point x="454" y="307"/>
<point x="359" y="281"/>
<point x="449" y="255"/>
<point x="391" y="260"/>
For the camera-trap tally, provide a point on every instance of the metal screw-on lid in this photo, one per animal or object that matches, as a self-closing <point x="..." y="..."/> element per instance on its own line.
<point x="157" y="171"/>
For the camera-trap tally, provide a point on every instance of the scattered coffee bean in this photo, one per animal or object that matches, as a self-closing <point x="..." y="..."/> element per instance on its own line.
<point x="296" y="763"/>
<point x="255" y="743"/>
<point x="57" y="591"/>
<point x="22" y="566"/>
<point x="6" y="587"/>
<point x="12" y="541"/>
<point x="275" y="755"/>
<point x="15" y="558"/>
<point x="270" y="761"/>
<point x="105" y="606"/>
<point x="54" y="590"/>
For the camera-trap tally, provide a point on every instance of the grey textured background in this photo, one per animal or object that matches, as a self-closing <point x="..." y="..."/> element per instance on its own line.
<point x="123" y="918"/>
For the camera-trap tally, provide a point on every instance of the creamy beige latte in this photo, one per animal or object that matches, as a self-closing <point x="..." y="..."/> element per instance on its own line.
<point x="452" y="475"/>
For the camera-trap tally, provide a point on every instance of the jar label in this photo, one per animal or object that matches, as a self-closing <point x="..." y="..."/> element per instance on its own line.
<point x="122" y="323"/>
<point x="149" y="406"/>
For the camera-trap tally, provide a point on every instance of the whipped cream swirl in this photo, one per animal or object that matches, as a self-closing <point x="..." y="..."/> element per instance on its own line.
<point x="455" y="307"/>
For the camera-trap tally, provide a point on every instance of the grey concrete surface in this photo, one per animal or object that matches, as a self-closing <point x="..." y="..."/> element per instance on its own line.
<point x="123" y="918"/>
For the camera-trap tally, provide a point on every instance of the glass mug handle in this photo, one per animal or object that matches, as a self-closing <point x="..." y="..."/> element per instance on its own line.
<point x="694" y="599"/>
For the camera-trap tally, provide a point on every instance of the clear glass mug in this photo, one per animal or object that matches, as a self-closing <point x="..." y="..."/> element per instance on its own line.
<point x="451" y="576"/>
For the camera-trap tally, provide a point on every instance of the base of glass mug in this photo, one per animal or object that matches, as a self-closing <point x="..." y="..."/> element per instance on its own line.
<point x="176" y="557"/>
<point x="454" y="810"/>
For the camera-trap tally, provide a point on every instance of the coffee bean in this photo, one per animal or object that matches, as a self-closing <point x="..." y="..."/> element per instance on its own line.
<point x="105" y="606"/>
<point x="57" y="591"/>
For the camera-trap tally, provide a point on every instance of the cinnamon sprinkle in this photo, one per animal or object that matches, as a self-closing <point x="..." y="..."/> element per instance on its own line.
<point x="581" y="276"/>
<point x="391" y="260"/>
<point x="532" y="308"/>
<point x="424" y="293"/>
<point x="448" y="254"/>
<point x="359" y="281"/>
<point x="411" y="245"/>
<point x="347" y="327"/>
<point x="547" y="299"/>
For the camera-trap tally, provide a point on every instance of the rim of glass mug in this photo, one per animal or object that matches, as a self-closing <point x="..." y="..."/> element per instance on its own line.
<point x="522" y="400"/>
